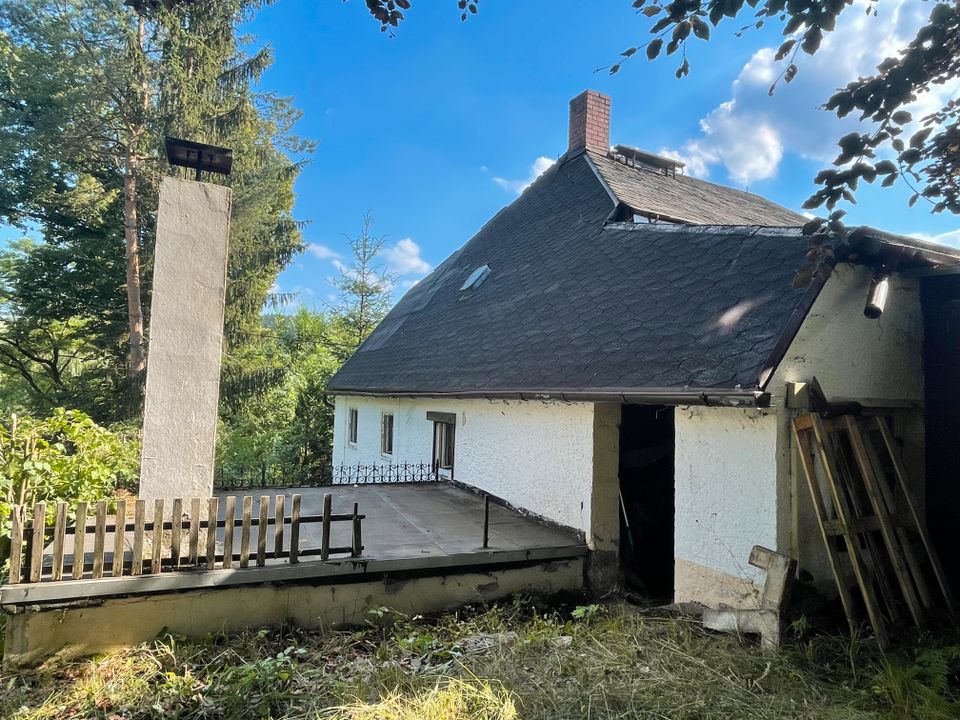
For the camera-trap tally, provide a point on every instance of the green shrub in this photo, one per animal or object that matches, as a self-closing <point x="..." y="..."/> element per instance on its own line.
<point x="65" y="457"/>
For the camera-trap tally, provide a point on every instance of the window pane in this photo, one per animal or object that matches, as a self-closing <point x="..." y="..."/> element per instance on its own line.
<point x="386" y="434"/>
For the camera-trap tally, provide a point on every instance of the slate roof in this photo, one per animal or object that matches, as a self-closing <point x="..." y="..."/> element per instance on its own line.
<point x="687" y="199"/>
<point x="573" y="302"/>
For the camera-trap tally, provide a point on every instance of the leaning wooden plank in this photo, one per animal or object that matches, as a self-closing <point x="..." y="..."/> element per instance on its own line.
<point x="212" y="510"/>
<point x="295" y="529"/>
<point x="194" y="531"/>
<point x="245" y="531"/>
<point x="262" y="530"/>
<point x="79" y="539"/>
<point x="156" y="559"/>
<point x="176" y="532"/>
<point x="37" y="540"/>
<point x="59" y="539"/>
<point x="139" y="525"/>
<point x="99" y="538"/>
<point x="278" y="526"/>
<point x="119" y="539"/>
<point x="325" y="528"/>
<point x="810" y="473"/>
<point x="843" y="514"/>
<point x="921" y="527"/>
<point x="16" y="545"/>
<point x="900" y="525"/>
<point x="881" y="511"/>
<point x="230" y="512"/>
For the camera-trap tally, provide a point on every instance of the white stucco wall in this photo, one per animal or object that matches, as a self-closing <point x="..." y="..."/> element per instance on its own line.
<point x="725" y="503"/>
<point x="535" y="455"/>
<point x="853" y="357"/>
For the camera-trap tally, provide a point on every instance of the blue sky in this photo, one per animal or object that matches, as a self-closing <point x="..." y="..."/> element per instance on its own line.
<point x="435" y="129"/>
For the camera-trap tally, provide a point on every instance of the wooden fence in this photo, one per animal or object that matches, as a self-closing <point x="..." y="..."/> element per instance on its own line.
<point x="179" y="541"/>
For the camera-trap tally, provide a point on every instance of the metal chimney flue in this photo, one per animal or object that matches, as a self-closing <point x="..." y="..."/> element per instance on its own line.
<point x="877" y="297"/>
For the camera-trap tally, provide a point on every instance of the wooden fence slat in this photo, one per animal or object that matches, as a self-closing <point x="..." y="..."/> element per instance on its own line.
<point x="213" y="507"/>
<point x="79" y="540"/>
<point x="16" y="545"/>
<point x="99" y="537"/>
<point x="59" y="538"/>
<point x="36" y="541"/>
<point x="295" y="530"/>
<point x="245" y="531"/>
<point x="176" y="532"/>
<point x="325" y="529"/>
<point x="262" y="530"/>
<point x="194" y="531"/>
<point x="278" y="527"/>
<point x="156" y="560"/>
<point x="139" y="515"/>
<point x="230" y="511"/>
<point x="119" y="538"/>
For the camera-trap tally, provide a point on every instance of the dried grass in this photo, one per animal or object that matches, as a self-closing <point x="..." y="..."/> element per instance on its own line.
<point x="522" y="659"/>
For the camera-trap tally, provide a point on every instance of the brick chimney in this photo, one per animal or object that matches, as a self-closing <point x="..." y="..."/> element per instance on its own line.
<point x="590" y="122"/>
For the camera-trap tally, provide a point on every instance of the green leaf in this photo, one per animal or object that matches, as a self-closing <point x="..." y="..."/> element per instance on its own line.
<point x="700" y="28"/>
<point x="901" y="117"/>
<point x="785" y="49"/>
<point x="653" y="49"/>
<point x="652" y="10"/>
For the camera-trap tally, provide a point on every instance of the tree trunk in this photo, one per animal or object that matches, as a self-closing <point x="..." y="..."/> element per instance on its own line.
<point x="131" y="229"/>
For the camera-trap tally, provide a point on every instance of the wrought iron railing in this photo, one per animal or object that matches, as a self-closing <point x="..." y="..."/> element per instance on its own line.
<point x="383" y="474"/>
<point x="265" y="475"/>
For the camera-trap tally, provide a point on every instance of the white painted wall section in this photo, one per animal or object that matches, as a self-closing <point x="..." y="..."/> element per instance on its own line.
<point x="726" y="502"/>
<point x="854" y="357"/>
<point x="535" y="455"/>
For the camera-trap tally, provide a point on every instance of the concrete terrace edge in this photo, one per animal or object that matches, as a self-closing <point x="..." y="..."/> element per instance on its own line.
<point x="61" y="633"/>
<point x="13" y="598"/>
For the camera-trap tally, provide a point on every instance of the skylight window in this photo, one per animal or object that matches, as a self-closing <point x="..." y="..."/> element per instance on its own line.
<point x="476" y="278"/>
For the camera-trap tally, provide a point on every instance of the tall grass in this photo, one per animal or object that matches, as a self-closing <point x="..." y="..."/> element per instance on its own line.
<point x="521" y="659"/>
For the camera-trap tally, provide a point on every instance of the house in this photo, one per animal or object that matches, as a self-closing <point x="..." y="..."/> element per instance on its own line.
<point x="614" y="352"/>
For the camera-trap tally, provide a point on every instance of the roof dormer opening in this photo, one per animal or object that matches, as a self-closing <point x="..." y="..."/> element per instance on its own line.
<point x="475" y="279"/>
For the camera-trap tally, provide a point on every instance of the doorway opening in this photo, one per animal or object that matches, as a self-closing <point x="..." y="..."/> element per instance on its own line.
<point x="647" y="499"/>
<point x="940" y="300"/>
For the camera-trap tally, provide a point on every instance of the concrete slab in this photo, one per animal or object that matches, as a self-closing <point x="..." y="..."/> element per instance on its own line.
<point x="408" y="527"/>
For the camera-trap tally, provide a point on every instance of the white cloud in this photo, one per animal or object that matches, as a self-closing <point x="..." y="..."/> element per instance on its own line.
<point x="749" y="133"/>
<point x="404" y="258"/>
<point x="539" y="166"/>
<point x="323" y="252"/>
<point x="951" y="237"/>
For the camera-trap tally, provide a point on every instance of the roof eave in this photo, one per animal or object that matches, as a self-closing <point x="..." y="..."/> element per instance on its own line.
<point x="713" y="397"/>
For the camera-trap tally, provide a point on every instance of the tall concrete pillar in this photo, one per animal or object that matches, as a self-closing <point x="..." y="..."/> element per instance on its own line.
<point x="185" y="340"/>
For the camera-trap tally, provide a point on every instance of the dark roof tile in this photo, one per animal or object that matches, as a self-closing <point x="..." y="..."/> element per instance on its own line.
<point x="572" y="303"/>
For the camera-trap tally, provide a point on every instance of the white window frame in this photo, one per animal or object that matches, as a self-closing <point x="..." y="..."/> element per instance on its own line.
<point x="385" y="449"/>
<point x="353" y="426"/>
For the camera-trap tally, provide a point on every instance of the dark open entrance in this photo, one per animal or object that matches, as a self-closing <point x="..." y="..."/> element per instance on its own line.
<point x="940" y="298"/>
<point x="647" y="492"/>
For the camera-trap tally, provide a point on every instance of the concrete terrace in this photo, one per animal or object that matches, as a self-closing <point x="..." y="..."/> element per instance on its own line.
<point x="426" y="528"/>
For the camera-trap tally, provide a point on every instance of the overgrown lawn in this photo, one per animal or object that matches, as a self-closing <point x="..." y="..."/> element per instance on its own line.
<point x="522" y="659"/>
